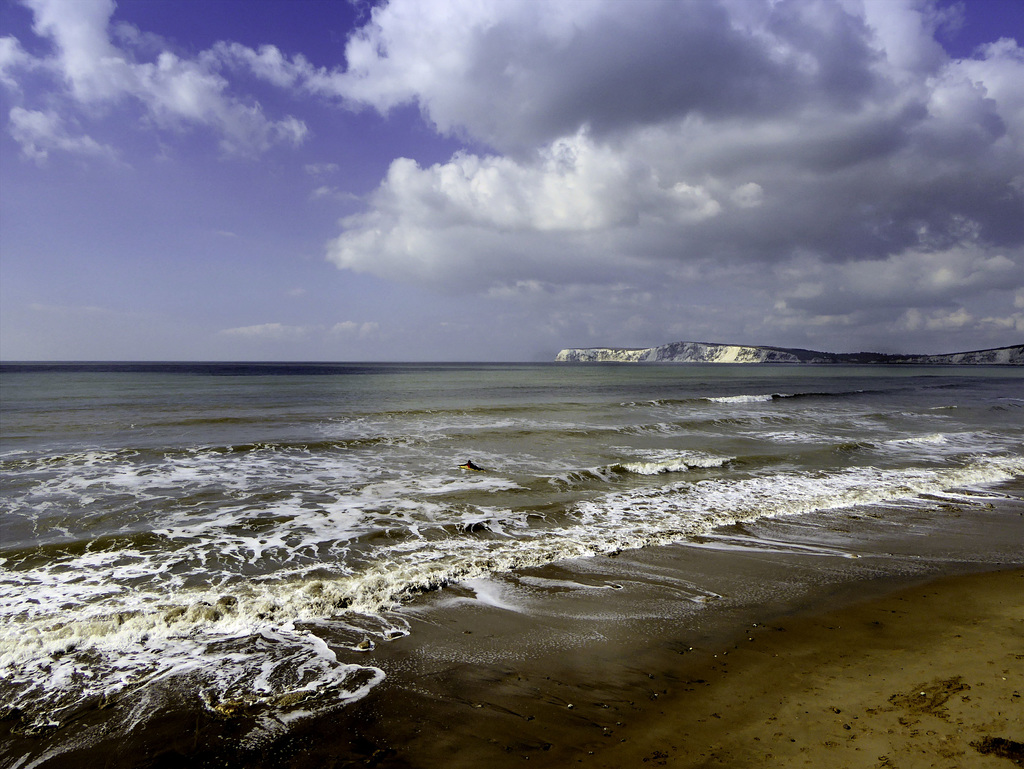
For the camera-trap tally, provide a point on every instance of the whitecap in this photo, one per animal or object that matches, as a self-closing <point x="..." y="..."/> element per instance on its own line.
<point x="659" y="465"/>
<point x="741" y="399"/>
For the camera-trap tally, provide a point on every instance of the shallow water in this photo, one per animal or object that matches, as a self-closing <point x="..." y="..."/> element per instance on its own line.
<point x="243" y="538"/>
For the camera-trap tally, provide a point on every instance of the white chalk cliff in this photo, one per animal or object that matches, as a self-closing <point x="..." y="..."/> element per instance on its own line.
<point x="704" y="352"/>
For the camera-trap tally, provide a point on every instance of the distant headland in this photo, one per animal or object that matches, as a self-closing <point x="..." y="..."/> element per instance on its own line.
<point x="705" y="352"/>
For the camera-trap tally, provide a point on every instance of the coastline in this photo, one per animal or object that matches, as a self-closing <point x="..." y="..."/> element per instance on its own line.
<point x="661" y="672"/>
<point x="922" y="676"/>
<point x="920" y="673"/>
<point x="643" y="659"/>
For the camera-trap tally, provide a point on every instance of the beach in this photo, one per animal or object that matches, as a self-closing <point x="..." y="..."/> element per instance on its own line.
<point x="285" y="566"/>
<point x="930" y="676"/>
<point x="918" y="673"/>
<point x="863" y="662"/>
<point x="923" y="676"/>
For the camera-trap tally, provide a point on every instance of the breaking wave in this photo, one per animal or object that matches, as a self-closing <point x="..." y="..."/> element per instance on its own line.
<point x="278" y="643"/>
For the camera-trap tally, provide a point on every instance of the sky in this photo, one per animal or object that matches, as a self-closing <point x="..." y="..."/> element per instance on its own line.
<point x="450" y="180"/>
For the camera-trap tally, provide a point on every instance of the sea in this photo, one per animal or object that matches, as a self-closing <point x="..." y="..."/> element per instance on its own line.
<point x="240" y="540"/>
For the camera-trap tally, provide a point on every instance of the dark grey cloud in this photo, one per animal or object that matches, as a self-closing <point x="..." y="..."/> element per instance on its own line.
<point x="516" y="75"/>
<point x="745" y="145"/>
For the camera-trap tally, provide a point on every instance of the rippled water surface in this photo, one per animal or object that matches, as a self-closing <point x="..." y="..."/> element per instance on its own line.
<point x="244" y="531"/>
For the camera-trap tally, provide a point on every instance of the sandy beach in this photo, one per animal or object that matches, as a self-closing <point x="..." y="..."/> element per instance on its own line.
<point x="930" y="676"/>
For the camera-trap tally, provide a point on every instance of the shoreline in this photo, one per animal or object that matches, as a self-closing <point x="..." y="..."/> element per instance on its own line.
<point x="913" y="676"/>
<point x="921" y="673"/>
<point x="643" y="659"/>
<point x="735" y="686"/>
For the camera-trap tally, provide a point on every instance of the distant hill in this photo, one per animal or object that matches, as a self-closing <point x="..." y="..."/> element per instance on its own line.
<point x="704" y="352"/>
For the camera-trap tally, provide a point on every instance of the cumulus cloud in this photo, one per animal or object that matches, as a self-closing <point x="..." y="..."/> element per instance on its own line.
<point x="833" y="148"/>
<point x="519" y="74"/>
<point x="173" y="92"/>
<point x="574" y="187"/>
<point x="661" y="167"/>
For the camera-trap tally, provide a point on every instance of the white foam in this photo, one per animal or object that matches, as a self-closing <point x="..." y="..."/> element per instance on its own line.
<point x="237" y="660"/>
<point x="794" y="436"/>
<point x="98" y="621"/>
<point x="933" y="438"/>
<point x="742" y="399"/>
<point x="661" y="463"/>
<point x="942" y="445"/>
<point x="491" y="593"/>
<point x="642" y="517"/>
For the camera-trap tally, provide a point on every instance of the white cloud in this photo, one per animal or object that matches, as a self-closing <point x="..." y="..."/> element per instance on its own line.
<point x="174" y="92"/>
<point x="749" y="195"/>
<point x="424" y="218"/>
<point x="327" y="192"/>
<point x="267" y="63"/>
<point x="12" y="58"/>
<point x="914" y="277"/>
<point x="77" y="310"/>
<point x="271" y="332"/>
<point x="936" y="320"/>
<point x="574" y="185"/>
<point x="737" y="143"/>
<point x="180" y="92"/>
<point x="518" y="74"/>
<point x="321" y="169"/>
<point x="39" y="133"/>
<point x="310" y="335"/>
<point x="966" y="292"/>
<point x="93" y="68"/>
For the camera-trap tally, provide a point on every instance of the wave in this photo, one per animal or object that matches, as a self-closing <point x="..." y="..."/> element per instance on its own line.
<point x="751" y="398"/>
<point x="678" y="464"/>
<point x="768" y="397"/>
<point x="744" y="398"/>
<point x="285" y="643"/>
<point x="919" y="440"/>
<point x="660" y="463"/>
<point x="948" y="444"/>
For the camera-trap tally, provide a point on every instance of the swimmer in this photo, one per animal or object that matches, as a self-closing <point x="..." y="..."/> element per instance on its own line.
<point x="470" y="466"/>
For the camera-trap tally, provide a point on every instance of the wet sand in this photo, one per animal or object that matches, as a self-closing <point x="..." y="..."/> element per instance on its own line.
<point x="932" y="676"/>
<point x="779" y="651"/>
<point x="928" y="676"/>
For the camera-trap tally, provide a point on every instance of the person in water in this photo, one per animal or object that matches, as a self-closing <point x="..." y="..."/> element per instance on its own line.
<point x="470" y="466"/>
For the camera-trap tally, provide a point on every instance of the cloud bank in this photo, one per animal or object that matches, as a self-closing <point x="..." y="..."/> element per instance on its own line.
<point x="799" y="172"/>
<point x="832" y="146"/>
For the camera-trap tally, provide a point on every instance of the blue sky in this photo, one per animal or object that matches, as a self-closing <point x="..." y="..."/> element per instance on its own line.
<point x="456" y="180"/>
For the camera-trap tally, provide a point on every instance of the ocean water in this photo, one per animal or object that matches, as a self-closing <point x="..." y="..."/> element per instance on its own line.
<point x="241" y="537"/>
